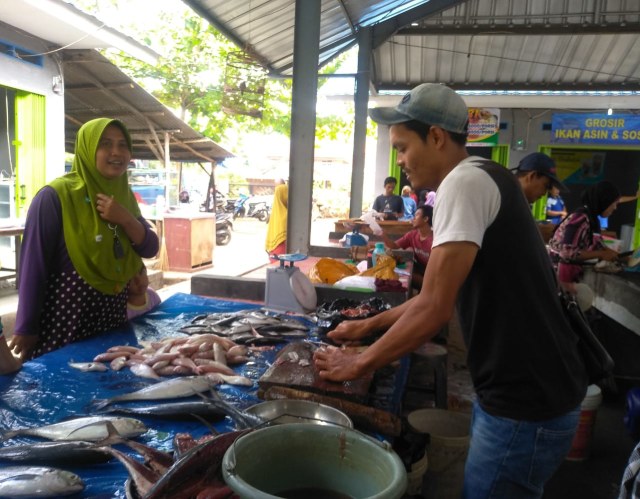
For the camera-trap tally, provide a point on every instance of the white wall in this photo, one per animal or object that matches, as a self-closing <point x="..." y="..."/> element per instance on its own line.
<point x="21" y="75"/>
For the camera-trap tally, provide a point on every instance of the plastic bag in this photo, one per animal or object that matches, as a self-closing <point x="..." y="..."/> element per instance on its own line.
<point x="330" y="271"/>
<point x="384" y="268"/>
<point x="370" y="219"/>
<point x="357" y="282"/>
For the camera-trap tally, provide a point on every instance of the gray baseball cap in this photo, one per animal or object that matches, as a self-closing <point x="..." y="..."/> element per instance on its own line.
<point x="429" y="103"/>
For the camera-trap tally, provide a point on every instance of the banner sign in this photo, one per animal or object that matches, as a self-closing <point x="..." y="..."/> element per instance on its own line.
<point x="620" y="129"/>
<point x="484" y="124"/>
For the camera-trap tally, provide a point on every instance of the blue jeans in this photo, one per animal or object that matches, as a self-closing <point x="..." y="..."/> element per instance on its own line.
<point x="513" y="459"/>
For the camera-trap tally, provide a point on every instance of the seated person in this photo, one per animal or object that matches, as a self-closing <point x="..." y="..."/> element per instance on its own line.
<point x="409" y="204"/>
<point x="419" y="239"/>
<point x="142" y="298"/>
<point x="389" y="204"/>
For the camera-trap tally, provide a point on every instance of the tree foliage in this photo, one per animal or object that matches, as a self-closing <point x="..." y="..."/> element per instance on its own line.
<point x="190" y="77"/>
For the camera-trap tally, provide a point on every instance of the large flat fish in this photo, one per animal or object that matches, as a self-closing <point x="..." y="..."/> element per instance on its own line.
<point x="171" y="388"/>
<point x="91" y="428"/>
<point x="35" y="481"/>
<point x="73" y="452"/>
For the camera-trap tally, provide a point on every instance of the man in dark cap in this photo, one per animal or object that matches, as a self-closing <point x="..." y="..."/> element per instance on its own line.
<point x="537" y="175"/>
<point x="489" y="258"/>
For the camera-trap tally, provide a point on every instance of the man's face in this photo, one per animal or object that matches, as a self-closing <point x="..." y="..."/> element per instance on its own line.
<point x="418" y="220"/>
<point x="413" y="157"/>
<point x="388" y="188"/>
<point x="535" y="186"/>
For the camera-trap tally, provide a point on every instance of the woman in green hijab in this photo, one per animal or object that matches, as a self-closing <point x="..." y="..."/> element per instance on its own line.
<point x="83" y="241"/>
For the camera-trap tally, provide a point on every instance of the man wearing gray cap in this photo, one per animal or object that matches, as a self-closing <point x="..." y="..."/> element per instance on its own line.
<point x="489" y="260"/>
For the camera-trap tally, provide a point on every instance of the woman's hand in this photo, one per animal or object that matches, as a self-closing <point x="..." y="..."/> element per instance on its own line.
<point x="111" y="211"/>
<point x="23" y="344"/>
<point x="8" y="363"/>
<point x="608" y="255"/>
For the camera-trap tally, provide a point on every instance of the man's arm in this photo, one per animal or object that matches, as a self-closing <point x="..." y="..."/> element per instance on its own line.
<point x="422" y="317"/>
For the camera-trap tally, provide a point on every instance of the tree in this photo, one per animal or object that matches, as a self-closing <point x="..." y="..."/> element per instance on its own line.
<point x="190" y="77"/>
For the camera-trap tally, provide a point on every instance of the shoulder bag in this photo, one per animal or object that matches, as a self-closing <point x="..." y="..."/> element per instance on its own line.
<point x="597" y="361"/>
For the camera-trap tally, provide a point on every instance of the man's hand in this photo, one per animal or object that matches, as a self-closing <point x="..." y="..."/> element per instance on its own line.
<point x="336" y="364"/>
<point x="349" y="332"/>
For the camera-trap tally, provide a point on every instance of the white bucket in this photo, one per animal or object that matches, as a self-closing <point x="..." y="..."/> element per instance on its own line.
<point x="416" y="476"/>
<point x="447" y="450"/>
<point x="581" y="445"/>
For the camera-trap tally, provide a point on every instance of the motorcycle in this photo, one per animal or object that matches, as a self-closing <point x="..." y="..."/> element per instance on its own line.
<point x="259" y="210"/>
<point x="239" y="209"/>
<point x="224" y="226"/>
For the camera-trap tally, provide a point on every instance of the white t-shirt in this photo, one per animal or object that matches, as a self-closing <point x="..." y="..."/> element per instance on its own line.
<point x="467" y="203"/>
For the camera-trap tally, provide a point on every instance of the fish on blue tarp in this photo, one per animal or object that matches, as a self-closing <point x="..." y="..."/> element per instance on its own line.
<point x="36" y="481"/>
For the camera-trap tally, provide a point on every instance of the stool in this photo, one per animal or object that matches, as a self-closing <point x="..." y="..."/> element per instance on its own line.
<point x="428" y="373"/>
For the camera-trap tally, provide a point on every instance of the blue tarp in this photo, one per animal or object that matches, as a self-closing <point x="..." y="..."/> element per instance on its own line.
<point x="47" y="390"/>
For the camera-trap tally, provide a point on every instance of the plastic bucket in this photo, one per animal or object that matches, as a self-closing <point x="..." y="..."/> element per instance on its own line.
<point x="581" y="445"/>
<point x="303" y="460"/>
<point x="447" y="450"/>
<point x="415" y="477"/>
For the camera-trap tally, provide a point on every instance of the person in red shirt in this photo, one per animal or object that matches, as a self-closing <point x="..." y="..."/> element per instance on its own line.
<point x="419" y="239"/>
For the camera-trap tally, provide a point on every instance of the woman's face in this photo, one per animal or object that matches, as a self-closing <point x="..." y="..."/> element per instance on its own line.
<point x="610" y="209"/>
<point x="112" y="156"/>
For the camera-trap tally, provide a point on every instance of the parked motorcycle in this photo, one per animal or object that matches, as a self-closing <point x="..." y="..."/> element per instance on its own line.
<point x="224" y="226"/>
<point x="259" y="210"/>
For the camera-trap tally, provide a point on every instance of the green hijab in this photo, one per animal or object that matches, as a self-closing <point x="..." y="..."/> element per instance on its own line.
<point x="89" y="239"/>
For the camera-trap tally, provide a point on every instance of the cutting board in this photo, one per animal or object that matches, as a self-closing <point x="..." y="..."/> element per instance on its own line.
<point x="294" y="368"/>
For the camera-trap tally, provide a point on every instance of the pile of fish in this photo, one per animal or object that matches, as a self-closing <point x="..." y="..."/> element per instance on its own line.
<point x="248" y="327"/>
<point x="215" y="342"/>
<point x="89" y="440"/>
<point x="78" y="440"/>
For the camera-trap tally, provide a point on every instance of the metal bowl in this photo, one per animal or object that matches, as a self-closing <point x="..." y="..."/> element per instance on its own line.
<point x="285" y="411"/>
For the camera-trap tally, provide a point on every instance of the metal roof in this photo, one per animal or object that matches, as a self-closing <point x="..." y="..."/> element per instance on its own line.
<point x="94" y="87"/>
<point x="467" y="44"/>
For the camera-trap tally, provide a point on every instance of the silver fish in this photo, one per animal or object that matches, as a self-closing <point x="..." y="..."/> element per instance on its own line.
<point x="72" y="452"/>
<point x="91" y="428"/>
<point x="36" y="481"/>
<point x="171" y="388"/>
<point x="89" y="366"/>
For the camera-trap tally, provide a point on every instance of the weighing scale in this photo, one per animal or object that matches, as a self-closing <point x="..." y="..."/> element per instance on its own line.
<point x="287" y="288"/>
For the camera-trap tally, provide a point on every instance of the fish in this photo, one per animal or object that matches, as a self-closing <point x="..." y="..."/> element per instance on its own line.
<point x="241" y="419"/>
<point x="71" y="452"/>
<point x="38" y="481"/>
<point x="143" y="477"/>
<point x="198" y="469"/>
<point x="90" y="428"/>
<point x="172" y="410"/>
<point x="171" y="388"/>
<point x="89" y="366"/>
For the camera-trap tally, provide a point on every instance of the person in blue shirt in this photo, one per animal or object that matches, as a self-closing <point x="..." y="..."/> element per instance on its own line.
<point x="409" y="204"/>
<point x="556" y="209"/>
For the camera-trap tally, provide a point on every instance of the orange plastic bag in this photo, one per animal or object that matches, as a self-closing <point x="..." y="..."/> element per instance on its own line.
<point x="330" y="271"/>
<point x="384" y="268"/>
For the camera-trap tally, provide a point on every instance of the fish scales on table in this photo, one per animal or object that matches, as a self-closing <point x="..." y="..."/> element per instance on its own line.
<point x="90" y="428"/>
<point x="38" y="481"/>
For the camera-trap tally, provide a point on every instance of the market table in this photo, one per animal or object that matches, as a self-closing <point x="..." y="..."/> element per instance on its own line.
<point x="47" y="390"/>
